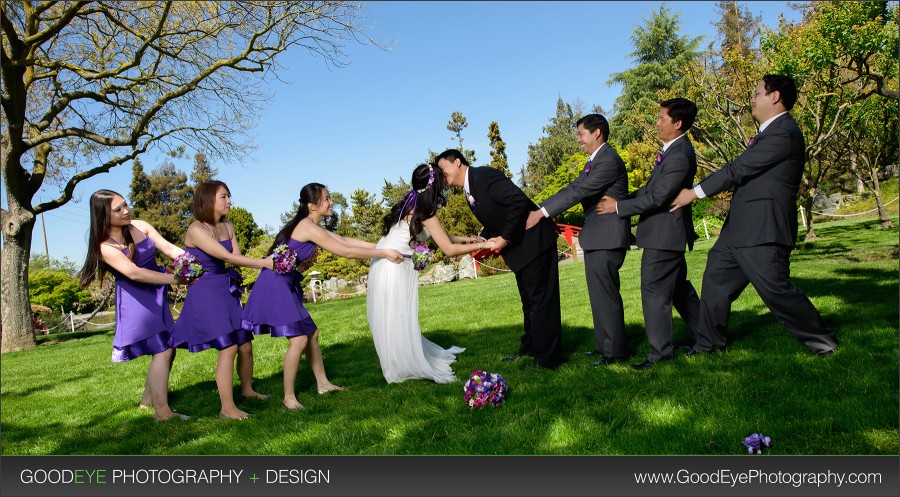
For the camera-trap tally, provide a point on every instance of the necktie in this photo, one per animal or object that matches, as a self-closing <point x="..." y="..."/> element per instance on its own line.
<point x="658" y="159"/>
<point x="587" y="166"/>
<point x="751" y="142"/>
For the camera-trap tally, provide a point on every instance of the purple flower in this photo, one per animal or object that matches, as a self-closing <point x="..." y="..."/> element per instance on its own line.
<point x="421" y="256"/>
<point x="186" y="268"/>
<point x="756" y="442"/>
<point x="471" y="200"/>
<point x="484" y="388"/>
<point x="285" y="259"/>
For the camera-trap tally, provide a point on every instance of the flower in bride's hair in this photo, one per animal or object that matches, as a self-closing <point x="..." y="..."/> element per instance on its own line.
<point x="187" y="268"/>
<point x="420" y="256"/>
<point x="285" y="259"/>
<point x="484" y="388"/>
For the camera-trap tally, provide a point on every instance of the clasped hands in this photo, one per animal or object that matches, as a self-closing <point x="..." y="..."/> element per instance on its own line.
<point x="485" y="244"/>
<point x="608" y="205"/>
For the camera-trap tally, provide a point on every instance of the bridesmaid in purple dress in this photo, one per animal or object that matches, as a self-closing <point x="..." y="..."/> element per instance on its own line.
<point x="275" y="305"/>
<point x="211" y="316"/>
<point x="127" y="248"/>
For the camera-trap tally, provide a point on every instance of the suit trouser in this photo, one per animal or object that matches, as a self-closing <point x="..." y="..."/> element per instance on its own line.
<point x="601" y="268"/>
<point x="538" y="284"/>
<point x="767" y="268"/>
<point x="664" y="284"/>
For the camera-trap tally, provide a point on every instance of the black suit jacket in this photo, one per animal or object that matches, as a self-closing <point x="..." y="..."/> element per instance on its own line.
<point x="766" y="179"/>
<point x="502" y="208"/>
<point x="658" y="228"/>
<point x="606" y="177"/>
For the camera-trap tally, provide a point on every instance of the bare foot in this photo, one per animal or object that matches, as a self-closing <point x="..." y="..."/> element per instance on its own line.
<point x="234" y="414"/>
<point x="328" y="389"/>
<point x="255" y="395"/>
<point x="292" y="405"/>
<point x="168" y="414"/>
<point x="145" y="406"/>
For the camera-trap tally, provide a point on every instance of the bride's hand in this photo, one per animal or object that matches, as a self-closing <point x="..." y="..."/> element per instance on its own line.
<point x="393" y="256"/>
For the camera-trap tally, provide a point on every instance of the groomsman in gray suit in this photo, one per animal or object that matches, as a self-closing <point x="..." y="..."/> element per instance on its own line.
<point x="761" y="229"/>
<point x="605" y="239"/>
<point x="662" y="234"/>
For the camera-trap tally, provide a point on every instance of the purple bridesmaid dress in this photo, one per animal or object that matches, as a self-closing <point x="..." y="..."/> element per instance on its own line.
<point x="275" y="304"/>
<point x="143" y="319"/>
<point x="211" y="316"/>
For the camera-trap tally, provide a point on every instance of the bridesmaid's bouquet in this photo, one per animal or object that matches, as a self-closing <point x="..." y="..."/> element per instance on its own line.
<point x="757" y="443"/>
<point x="285" y="259"/>
<point x="187" y="269"/>
<point x="421" y="256"/>
<point x="484" y="388"/>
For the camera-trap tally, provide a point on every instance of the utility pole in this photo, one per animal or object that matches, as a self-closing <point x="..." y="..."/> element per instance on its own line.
<point x="46" y="249"/>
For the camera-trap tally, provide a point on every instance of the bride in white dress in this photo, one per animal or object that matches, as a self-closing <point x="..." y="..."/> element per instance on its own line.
<point x="393" y="295"/>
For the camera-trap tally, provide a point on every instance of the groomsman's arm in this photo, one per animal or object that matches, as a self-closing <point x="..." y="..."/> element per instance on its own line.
<point x="665" y="187"/>
<point x="602" y="176"/>
<point x="769" y="150"/>
<point x="503" y="191"/>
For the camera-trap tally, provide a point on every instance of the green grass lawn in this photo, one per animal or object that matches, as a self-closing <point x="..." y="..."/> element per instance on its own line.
<point x="68" y="398"/>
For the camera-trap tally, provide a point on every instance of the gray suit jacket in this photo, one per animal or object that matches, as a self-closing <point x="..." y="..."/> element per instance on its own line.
<point x="658" y="228"/>
<point x="766" y="179"/>
<point x="606" y="177"/>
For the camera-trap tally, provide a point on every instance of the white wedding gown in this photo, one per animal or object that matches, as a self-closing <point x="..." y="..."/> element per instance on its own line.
<point x="392" y="306"/>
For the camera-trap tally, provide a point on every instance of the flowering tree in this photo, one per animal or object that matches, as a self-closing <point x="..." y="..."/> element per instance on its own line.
<point x="88" y="86"/>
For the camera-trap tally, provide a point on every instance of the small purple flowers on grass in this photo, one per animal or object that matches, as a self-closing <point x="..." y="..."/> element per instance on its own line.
<point x="285" y="259"/>
<point x="484" y="388"/>
<point x="186" y="268"/>
<point x="757" y="442"/>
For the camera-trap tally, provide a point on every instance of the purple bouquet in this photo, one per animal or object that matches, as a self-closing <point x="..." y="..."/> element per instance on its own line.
<point x="757" y="442"/>
<point x="421" y="256"/>
<point x="187" y="269"/>
<point x="285" y="259"/>
<point x="484" y="388"/>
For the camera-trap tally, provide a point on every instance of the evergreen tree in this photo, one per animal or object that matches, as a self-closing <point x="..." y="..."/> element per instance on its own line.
<point x="498" y="149"/>
<point x="163" y="199"/>
<point x="364" y="221"/>
<point x="247" y="232"/>
<point x="457" y="123"/>
<point x="391" y="193"/>
<point x="545" y="156"/>
<point x="660" y="52"/>
<point x="203" y="170"/>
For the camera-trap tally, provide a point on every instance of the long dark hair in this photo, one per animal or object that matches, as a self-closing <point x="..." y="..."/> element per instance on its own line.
<point x="100" y="208"/>
<point x="309" y="194"/>
<point x="424" y="199"/>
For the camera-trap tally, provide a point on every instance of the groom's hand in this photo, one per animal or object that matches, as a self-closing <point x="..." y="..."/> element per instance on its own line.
<point x="499" y="243"/>
<point x="534" y="217"/>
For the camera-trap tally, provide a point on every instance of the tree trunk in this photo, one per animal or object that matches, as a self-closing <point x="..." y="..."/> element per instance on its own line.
<point x="860" y="186"/>
<point x="882" y="214"/>
<point x="15" y="311"/>
<point x="808" y="205"/>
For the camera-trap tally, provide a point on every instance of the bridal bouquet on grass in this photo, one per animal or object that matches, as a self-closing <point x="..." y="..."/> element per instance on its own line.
<point x="187" y="269"/>
<point x="285" y="259"/>
<point x="484" y="388"/>
<point x="756" y="443"/>
<point x="421" y="256"/>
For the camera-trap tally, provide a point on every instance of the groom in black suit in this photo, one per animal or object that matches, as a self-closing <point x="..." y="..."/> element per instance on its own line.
<point x="662" y="234"/>
<point x="501" y="207"/>
<point x="761" y="229"/>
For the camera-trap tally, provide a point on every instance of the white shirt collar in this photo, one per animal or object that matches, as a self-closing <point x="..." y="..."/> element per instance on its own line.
<point x="591" y="158"/>
<point x="768" y="121"/>
<point x="669" y="143"/>
<point x="466" y="182"/>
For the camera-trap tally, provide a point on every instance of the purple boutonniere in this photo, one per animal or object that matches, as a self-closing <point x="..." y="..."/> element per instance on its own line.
<point x="471" y="200"/>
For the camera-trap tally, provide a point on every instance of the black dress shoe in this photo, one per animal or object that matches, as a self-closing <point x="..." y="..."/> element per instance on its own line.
<point x="512" y="357"/>
<point x="605" y="361"/>
<point x="826" y="353"/>
<point x="647" y="364"/>
<point x="592" y="352"/>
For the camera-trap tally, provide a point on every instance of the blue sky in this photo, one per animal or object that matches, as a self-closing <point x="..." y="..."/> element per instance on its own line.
<point x="375" y="119"/>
